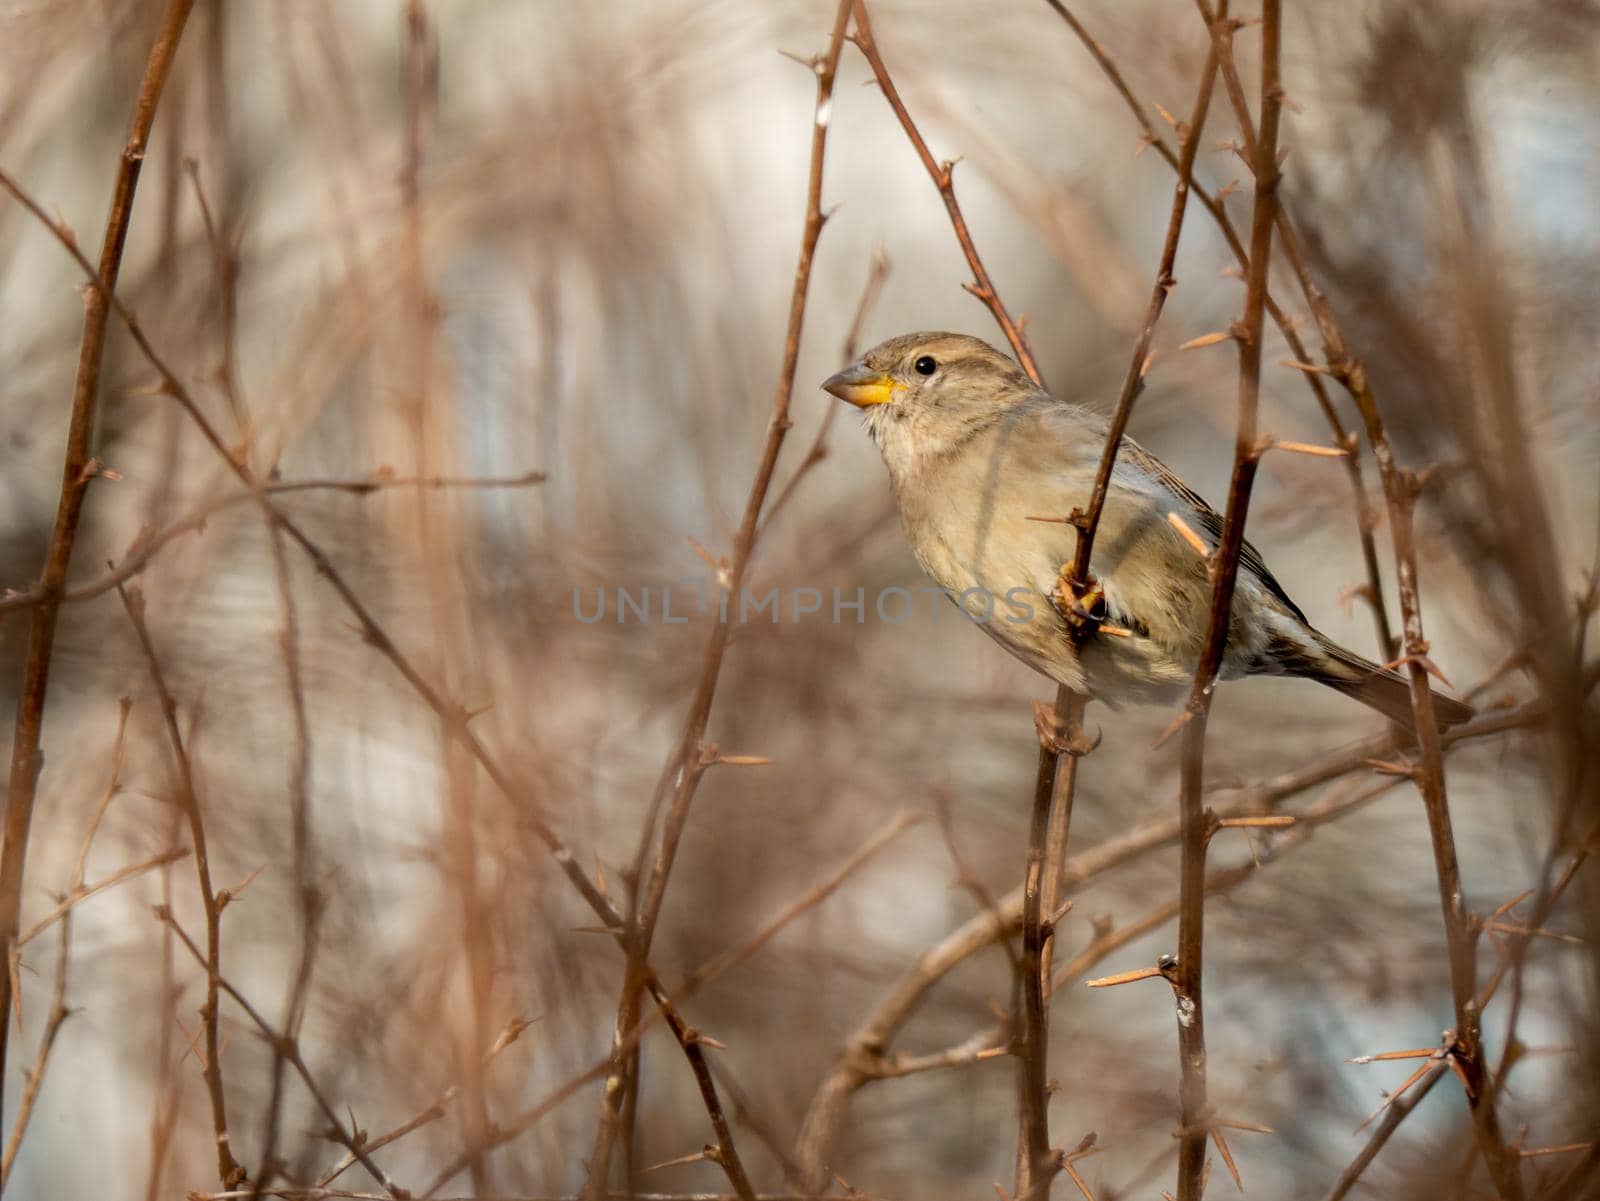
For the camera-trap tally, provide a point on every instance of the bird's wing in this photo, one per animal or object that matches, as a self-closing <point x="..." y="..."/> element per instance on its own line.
<point x="1210" y="520"/>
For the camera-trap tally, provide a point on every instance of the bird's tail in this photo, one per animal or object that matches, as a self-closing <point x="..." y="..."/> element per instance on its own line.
<point x="1378" y="688"/>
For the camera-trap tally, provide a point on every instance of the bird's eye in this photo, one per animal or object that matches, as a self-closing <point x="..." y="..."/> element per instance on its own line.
<point x="925" y="365"/>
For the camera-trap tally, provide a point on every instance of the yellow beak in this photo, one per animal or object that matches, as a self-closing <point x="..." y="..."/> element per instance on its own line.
<point x="861" y="386"/>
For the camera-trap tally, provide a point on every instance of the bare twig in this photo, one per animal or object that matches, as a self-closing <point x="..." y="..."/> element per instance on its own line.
<point x="147" y="545"/>
<point x="1397" y="1110"/>
<point x="1372" y="591"/>
<point x="1133" y="380"/>
<point x="1400" y="491"/>
<point x="351" y="1137"/>
<point x="865" y="1052"/>
<point x="686" y="767"/>
<point x="455" y="718"/>
<point x="26" y="757"/>
<point x="942" y="174"/>
<point x="228" y="1168"/>
<point x="1196" y="820"/>
<point x="76" y="891"/>
<point x="1052" y="799"/>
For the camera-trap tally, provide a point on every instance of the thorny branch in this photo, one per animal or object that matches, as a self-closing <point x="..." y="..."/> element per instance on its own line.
<point x="1196" y="822"/>
<point x="27" y="758"/>
<point x="373" y="633"/>
<point x="1212" y="202"/>
<point x="77" y="890"/>
<point x="1053" y="787"/>
<point x="1400" y="491"/>
<point x="867" y="1052"/>
<point x="687" y="766"/>
<point x="212" y="901"/>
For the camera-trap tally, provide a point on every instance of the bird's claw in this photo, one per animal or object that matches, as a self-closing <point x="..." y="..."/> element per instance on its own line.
<point x="1084" y="610"/>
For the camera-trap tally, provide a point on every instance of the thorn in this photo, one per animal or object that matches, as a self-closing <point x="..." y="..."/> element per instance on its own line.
<point x="696" y="1157"/>
<point x="1183" y="718"/>
<point x="1227" y="1157"/>
<point x="1399" y="766"/>
<point x="1236" y="1124"/>
<point x="745" y="760"/>
<point x="1142" y="973"/>
<point x="1302" y="448"/>
<point x="239" y="888"/>
<point x="1207" y="340"/>
<point x="1421" y="659"/>
<point x="1268" y="822"/>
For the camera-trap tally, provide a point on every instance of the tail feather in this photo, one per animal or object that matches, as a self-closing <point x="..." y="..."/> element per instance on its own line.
<point x="1376" y="687"/>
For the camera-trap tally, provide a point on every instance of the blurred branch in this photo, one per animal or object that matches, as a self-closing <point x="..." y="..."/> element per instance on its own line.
<point x="350" y="1137"/>
<point x="76" y="891"/>
<point x="1060" y="732"/>
<point x="689" y="760"/>
<point x="699" y="977"/>
<point x="877" y="274"/>
<point x="432" y="1113"/>
<point x="81" y="891"/>
<point x="27" y="759"/>
<point x="942" y="175"/>
<point x="1397" y="1108"/>
<point x="229" y="1169"/>
<point x="146" y="546"/>
<point x="454" y="717"/>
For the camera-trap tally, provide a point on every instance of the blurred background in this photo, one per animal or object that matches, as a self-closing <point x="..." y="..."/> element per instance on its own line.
<point x="466" y="241"/>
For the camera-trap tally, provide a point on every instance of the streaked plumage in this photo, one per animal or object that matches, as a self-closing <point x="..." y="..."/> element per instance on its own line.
<point x="975" y="451"/>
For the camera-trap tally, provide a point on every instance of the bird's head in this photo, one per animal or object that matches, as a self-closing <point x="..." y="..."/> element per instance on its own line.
<point x="924" y="394"/>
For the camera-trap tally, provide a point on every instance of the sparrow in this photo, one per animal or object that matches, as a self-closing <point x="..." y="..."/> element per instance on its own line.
<point x="984" y="466"/>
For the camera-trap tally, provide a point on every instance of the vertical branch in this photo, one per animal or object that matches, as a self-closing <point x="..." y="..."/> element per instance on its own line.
<point x="1059" y="725"/>
<point x="1133" y="380"/>
<point x="689" y="760"/>
<point x="164" y="1110"/>
<point x="458" y="812"/>
<point x="58" y="998"/>
<point x="1196" y="822"/>
<point x="228" y="1169"/>
<point x="77" y="470"/>
<point x="225" y="258"/>
<point x="1222" y="34"/>
<point x="1400" y="492"/>
<point x="1036" y="944"/>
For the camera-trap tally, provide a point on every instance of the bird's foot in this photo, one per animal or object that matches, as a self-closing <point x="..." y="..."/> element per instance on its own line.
<point x="1083" y="609"/>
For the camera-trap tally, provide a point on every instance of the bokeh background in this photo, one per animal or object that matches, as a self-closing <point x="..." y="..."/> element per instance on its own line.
<point x="561" y="238"/>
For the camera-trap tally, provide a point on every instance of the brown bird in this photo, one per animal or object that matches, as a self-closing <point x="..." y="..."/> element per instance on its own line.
<point x="977" y="453"/>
